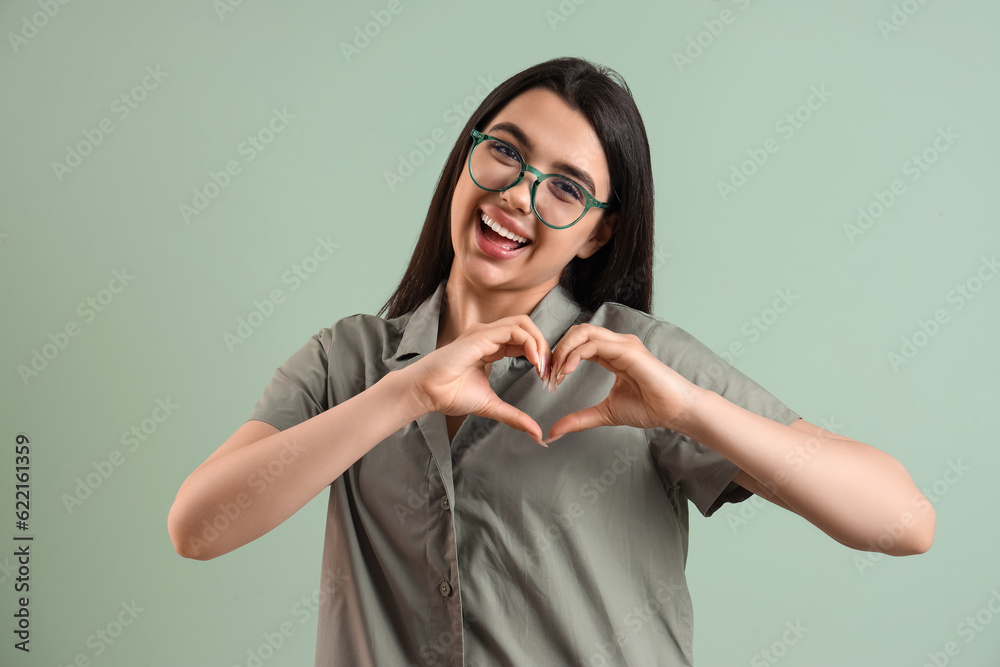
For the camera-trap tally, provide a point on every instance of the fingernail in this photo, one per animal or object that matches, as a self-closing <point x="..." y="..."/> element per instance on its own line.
<point x="550" y="440"/>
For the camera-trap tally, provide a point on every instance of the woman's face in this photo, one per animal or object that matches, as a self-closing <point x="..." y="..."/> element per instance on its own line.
<point x="547" y="133"/>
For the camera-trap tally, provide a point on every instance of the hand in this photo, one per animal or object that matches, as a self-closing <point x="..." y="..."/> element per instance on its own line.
<point x="647" y="393"/>
<point x="454" y="379"/>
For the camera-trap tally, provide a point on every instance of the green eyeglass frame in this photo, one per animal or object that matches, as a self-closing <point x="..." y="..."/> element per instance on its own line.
<point x="591" y="201"/>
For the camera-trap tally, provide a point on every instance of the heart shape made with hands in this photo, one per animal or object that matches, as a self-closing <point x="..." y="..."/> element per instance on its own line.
<point x="646" y="393"/>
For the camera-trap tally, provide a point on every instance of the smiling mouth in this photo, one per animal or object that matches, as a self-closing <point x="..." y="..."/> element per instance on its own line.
<point x="496" y="233"/>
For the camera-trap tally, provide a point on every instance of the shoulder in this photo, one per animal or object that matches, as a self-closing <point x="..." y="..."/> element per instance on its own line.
<point x="364" y="334"/>
<point x="667" y="341"/>
<point x="650" y="329"/>
<point x="349" y="355"/>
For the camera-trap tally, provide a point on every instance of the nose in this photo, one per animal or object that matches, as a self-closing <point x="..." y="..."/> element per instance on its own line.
<point x="519" y="196"/>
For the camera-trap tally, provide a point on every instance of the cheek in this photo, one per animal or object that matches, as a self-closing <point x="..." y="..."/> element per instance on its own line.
<point x="461" y="198"/>
<point x="461" y="208"/>
<point x="574" y="245"/>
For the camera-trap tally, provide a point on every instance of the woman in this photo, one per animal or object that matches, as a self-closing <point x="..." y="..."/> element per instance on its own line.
<point x="452" y="536"/>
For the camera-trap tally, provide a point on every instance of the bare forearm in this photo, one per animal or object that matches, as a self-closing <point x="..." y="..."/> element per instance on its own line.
<point x="233" y="499"/>
<point x="855" y="493"/>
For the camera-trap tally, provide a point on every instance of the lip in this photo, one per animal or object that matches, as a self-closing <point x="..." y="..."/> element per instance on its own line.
<point x="505" y="220"/>
<point x="490" y="248"/>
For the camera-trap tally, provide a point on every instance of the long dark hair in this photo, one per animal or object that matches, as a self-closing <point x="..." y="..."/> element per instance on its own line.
<point x="622" y="269"/>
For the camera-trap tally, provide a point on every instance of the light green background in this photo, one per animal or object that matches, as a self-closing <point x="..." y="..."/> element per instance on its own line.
<point x="323" y="175"/>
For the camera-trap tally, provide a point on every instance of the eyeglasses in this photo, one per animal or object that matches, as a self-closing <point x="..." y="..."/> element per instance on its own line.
<point x="495" y="165"/>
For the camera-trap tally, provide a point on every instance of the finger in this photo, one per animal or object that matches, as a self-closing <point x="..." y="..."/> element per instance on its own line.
<point x="580" y="420"/>
<point x="579" y="334"/>
<point x="506" y="413"/>
<point x="612" y="355"/>
<point x="520" y="336"/>
<point x="608" y="351"/>
<point x="511" y="350"/>
<point x="540" y="353"/>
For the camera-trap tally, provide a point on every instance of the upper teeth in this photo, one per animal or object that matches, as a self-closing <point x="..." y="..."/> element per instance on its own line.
<point x="501" y="230"/>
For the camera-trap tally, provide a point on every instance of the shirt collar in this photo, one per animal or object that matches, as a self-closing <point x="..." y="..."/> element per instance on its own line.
<point x="553" y="315"/>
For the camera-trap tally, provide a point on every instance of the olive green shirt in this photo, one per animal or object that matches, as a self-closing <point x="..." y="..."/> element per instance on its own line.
<point x="492" y="550"/>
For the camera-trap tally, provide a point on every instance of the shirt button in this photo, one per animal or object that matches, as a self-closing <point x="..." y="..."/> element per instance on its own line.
<point x="444" y="588"/>
<point x="445" y="503"/>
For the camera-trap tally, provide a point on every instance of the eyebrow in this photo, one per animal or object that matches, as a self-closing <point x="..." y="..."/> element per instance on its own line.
<point x="573" y="172"/>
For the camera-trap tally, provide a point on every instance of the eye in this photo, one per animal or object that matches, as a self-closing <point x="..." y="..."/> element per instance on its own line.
<point x="567" y="190"/>
<point x="504" y="152"/>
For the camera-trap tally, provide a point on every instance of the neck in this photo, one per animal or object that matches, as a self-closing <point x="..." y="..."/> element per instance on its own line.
<point x="465" y="305"/>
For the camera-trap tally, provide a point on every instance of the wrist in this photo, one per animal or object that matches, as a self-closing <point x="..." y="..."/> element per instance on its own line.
<point x="405" y="389"/>
<point x="693" y="404"/>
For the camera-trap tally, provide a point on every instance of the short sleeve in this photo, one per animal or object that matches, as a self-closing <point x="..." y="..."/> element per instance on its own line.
<point x="298" y="390"/>
<point x="703" y="475"/>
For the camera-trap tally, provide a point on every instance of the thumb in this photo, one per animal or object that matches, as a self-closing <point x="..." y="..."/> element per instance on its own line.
<point x="507" y="414"/>
<point x="580" y="420"/>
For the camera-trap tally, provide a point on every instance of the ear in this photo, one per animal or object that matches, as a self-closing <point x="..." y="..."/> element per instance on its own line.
<point x="601" y="235"/>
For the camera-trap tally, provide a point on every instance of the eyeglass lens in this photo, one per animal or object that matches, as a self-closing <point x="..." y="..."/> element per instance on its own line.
<point x="496" y="165"/>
